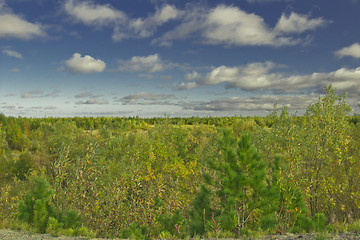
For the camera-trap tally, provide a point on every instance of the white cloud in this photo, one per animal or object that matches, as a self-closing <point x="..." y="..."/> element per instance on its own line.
<point x="192" y="76"/>
<point x="256" y="103"/>
<point x="94" y="101"/>
<point x="263" y="77"/>
<point x="184" y="86"/>
<point x="84" y="95"/>
<point x="223" y="24"/>
<point x="164" y="14"/>
<point x="192" y="21"/>
<point x="151" y="63"/>
<point x="85" y="65"/>
<point x="230" y="25"/>
<point x="146" y="98"/>
<point x="13" y="26"/>
<point x="93" y="14"/>
<point x="33" y="94"/>
<point x="297" y="23"/>
<point x="344" y="80"/>
<point x="15" y="70"/>
<point x="146" y="27"/>
<point x="40" y="94"/>
<point x="13" y="54"/>
<point x="351" y="51"/>
<point x="124" y="27"/>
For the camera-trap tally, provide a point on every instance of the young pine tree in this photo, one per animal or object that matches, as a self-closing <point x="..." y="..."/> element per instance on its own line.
<point x="37" y="207"/>
<point x="244" y="197"/>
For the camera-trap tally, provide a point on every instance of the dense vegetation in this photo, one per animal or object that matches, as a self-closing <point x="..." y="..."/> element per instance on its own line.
<point x="183" y="177"/>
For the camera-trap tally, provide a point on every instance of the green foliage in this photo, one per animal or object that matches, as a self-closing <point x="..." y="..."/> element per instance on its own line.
<point x="318" y="154"/>
<point x="135" y="231"/>
<point x="70" y="219"/>
<point x="22" y="166"/>
<point x="173" y="224"/>
<point x="153" y="178"/>
<point x="37" y="208"/>
<point x="38" y="211"/>
<point x="354" y="226"/>
<point x="244" y="199"/>
<point x="320" y="222"/>
<point x="200" y="213"/>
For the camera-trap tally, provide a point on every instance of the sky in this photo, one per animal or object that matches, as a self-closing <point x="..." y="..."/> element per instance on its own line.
<point x="175" y="58"/>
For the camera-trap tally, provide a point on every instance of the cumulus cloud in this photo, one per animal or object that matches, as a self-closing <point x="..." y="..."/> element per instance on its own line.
<point x="14" y="26"/>
<point x="93" y="14"/>
<point x="151" y="63"/>
<point x="84" y="65"/>
<point x="230" y="25"/>
<point x="99" y="15"/>
<point x="13" y="54"/>
<point x="223" y="24"/>
<point x="344" y="80"/>
<point x="146" y="98"/>
<point x="192" y="21"/>
<point x="192" y="76"/>
<point x="263" y="76"/>
<point x="146" y="27"/>
<point x="297" y="23"/>
<point x="351" y="51"/>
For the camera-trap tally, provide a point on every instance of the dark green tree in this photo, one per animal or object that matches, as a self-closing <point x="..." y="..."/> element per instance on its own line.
<point x="244" y="195"/>
<point x="37" y="208"/>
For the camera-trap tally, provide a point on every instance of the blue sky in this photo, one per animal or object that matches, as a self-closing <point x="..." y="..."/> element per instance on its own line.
<point x="173" y="57"/>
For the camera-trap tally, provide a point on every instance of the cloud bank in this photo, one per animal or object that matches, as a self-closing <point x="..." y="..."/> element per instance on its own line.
<point x="146" y="98"/>
<point x="257" y="103"/>
<point x="262" y="76"/>
<point x="230" y="25"/>
<point x="223" y="24"/>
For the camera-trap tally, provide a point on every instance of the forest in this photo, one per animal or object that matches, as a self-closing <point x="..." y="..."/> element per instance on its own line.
<point x="213" y="177"/>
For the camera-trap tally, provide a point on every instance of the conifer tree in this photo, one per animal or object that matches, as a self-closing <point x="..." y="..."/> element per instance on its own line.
<point x="37" y="208"/>
<point x="244" y="196"/>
